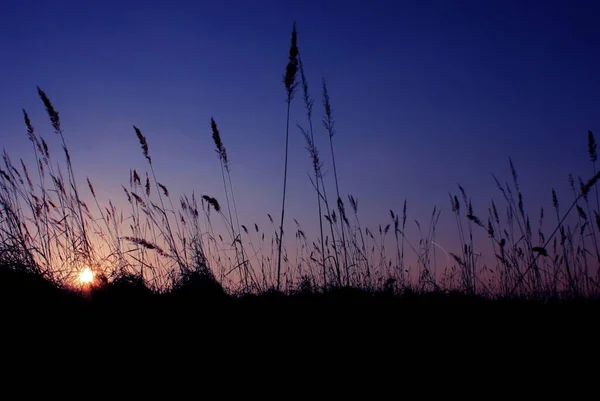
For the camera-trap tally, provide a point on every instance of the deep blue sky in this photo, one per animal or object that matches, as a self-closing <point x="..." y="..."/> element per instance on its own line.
<point x="425" y="93"/>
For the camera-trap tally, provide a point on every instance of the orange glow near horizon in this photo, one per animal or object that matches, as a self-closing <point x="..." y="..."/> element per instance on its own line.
<point x="86" y="276"/>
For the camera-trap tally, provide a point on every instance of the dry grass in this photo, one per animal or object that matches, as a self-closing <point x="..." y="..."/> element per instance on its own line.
<point x="47" y="229"/>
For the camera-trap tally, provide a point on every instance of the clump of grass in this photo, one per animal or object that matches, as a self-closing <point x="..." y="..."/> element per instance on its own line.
<point x="45" y="227"/>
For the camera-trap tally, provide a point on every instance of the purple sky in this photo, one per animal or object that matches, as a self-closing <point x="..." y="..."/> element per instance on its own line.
<point x="425" y="94"/>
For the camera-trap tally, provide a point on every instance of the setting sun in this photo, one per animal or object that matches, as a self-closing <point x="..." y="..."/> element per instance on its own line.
<point x="86" y="276"/>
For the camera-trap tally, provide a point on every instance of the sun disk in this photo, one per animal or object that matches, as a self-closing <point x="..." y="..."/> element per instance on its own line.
<point x="86" y="276"/>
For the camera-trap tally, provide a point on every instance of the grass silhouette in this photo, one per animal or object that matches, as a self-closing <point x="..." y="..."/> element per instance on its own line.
<point x="165" y="258"/>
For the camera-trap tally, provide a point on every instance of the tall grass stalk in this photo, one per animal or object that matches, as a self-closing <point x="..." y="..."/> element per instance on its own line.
<point x="289" y="81"/>
<point x="328" y="122"/>
<point x="316" y="163"/>
<point x="241" y="261"/>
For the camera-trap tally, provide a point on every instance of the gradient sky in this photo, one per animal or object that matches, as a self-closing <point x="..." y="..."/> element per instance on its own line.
<point x="426" y="94"/>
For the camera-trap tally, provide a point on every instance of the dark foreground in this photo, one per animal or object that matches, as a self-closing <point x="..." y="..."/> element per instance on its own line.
<point x="127" y="304"/>
<point x="125" y="330"/>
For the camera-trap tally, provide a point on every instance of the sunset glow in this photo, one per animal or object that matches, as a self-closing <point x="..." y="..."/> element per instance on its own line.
<point x="446" y="121"/>
<point x="86" y="276"/>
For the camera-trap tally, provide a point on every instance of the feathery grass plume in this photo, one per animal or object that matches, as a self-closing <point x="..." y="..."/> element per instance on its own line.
<point x="5" y="175"/>
<point x="45" y="149"/>
<point x="588" y="185"/>
<point x="138" y="199"/>
<point x="592" y="147"/>
<point x="91" y="187"/>
<point x="52" y="113"/>
<point x="218" y="143"/>
<point x="291" y="69"/>
<point x="308" y="102"/>
<point x="313" y="152"/>
<point x="30" y="129"/>
<point x="289" y="81"/>
<point x="146" y="244"/>
<point x="127" y="193"/>
<point x="136" y="178"/>
<point x="213" y="202"/>
<point x="328" y="121"/>
<point x="143" y="143"/>
<point x="164" y="189"/>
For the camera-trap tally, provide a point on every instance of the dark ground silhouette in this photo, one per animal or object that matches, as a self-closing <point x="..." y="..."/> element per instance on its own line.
<point x="124" y="330"/>
<point x="127" y="301"/>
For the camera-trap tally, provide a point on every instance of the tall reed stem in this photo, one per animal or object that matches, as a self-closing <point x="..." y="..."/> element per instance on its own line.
<point x="289" y="80"/>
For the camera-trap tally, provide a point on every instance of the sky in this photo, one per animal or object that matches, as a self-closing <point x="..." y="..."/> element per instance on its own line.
<point x="426" y="94"/>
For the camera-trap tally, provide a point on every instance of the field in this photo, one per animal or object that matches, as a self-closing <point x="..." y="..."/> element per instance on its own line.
<point x="63" y="248"/>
